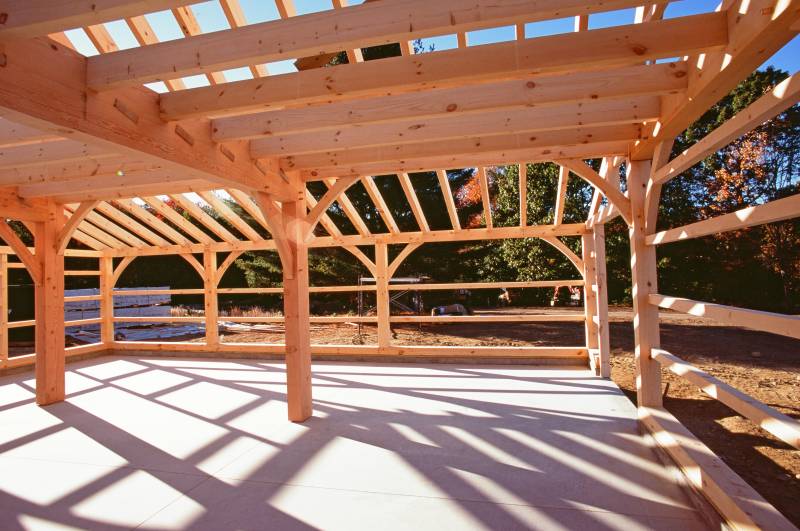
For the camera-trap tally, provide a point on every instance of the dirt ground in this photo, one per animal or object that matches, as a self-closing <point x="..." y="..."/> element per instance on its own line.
<point x="764" y="366"/>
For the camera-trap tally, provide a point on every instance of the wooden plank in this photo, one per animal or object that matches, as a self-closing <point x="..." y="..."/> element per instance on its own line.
<point x="32" y="18"/>
<point x="3" y="309"/>
<point x="210" y="300"/>
<point x="522" y="172"/>
<point x="505" y="318"/>
<point x="248" y="205"/>
<point x="778" y="210"/>
<point x="32" y="264"/>
<point x="380" y="204"/>
<point x="609" y="47"/>
<point x="112" y="228"/>
<point x="107" y="300"/>
<point x="130" y="224"/>
<point x="511" y="96"/>
<point x="383" y="306"/>
<point x="152" y="221"/>
<point x="645" y="282"/>
<point x="485" y="285"/>
<point x="781" y="426"/>
<point x="325" y="32"/>
<point x="200" y="215"/>
<point x="486" y="200"/>
<point x="601" y="299"/>
<point x="413" y="202"/>
<point x="122" y="121"/>
<point x="49" y="309"/>
<point x="612" y="192"/>
<point x="447" y="195"/>
<point x="496" y="150"/>
<point x="318" y="209"/>
<point x="561" y="195"/>
<point x="738" y="503"/>
<point x="225" y="211"/>
<point x="529" y="120"/>
<point x="756" y="30"/>
<point x="784" y="95"/>
<point x="50" y="153"/>
<point x="774" y="323"/>
<point x="176" y="219"/>
<point x="350" y="211"/>
<point x="589" y="291"/>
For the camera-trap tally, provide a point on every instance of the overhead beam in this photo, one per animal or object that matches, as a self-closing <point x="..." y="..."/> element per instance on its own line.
<point x="15" y="207"/>
<point x="609" y="47"/>
<point x="757" y="29"/>
<point x="34" y="18"/>
<point x="43" y="85"/>
<point x="529" y="120"/>
<point x="325" y="32"/>
<point x="512" y="95"/>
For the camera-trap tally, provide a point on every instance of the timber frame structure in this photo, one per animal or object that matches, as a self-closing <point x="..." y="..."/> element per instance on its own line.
<point x="87" y="154"/>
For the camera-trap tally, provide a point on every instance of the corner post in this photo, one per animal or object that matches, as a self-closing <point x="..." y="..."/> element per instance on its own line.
<point x="211" y="303"/>
<point x="3" y="310"/>
<point x="589" y="298"/>
<point x="645" y="281"/>
<point x="49" y="308"/>
<point x="107" y="300"/>
<point x="382" y="294"/>
<point x="601" y="296"/>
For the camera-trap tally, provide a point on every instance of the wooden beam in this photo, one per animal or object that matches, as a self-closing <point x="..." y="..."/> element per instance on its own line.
<point x="774" y="323"/>
<point x="784" y="95"/>
<point x="609" y="47"/>
<point x="4" y="310"/>
<point x="561" y="194"/>
<point x="210" y="297"/>
<point x="380" y="204"/>
<point x="350" y="211"/>
<point x="522" y="171"/>
<point x="49" y="308"/>
<point x="107" y="300"/>
<point x="645" y="282"/>
<point x="152" y="221"/>
<point x="327" y="200"/>
<point x="130" y="224"/>
<point x="32" y="264"/>
<point x="589" y="292"/>
<point x="460" y="153"/>
<point x="413" y="202"/>
<point x="447" y="195"/>
<point x="530" y="120"/>
<point x="612" y="193"/>
<point x="399" y="259"/>
<point x="486" y="200"/>
<point x="33" y="18"/>
<point x="232" y="217"/>
<point x="15" y="207"/>
<point x="319" y="33"/>
<point x="200" y="215"/>
<point x="124" y="121"/>
<point x="72" y="223"/>
<point x="382" y="304"/>
<point x="756" y="30"/>
<point x="49" y="153"/>
<point x="566" y="251"/>
<point x="512" y="95"/>
<point x="601" y="299"/>
<point x="171" y="215"/>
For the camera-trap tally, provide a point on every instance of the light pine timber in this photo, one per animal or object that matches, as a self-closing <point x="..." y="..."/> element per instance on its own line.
<point x="589" y="293"/>
<point x="123" y="121"/>
<point x="609" y="189"/>
<point x="775" y="323"/>
<point x="49" y="308"/>
<point x="3" y="309"/>
<point x="601" y="299"/>
<point x="781" y="426"/>
<point x="645" y="282"/>
<point x="756" y="30"/>
<point x="211" y="302"/>
<point x="447" y="195"/>
<point x="383" y="305"/>
<point x="778" y="210"/>
<point x="610" y="47"/>
<point x="106" y="300"/>
<point x="522" y="171"/>
<point x="321" y="33"/>
<point x="561" y="195"/>
<point x="738" y="503"/>
<point x="509" y="95"/>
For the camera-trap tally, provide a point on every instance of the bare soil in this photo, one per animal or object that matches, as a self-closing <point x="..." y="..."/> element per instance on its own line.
<point x="764" y="366"/>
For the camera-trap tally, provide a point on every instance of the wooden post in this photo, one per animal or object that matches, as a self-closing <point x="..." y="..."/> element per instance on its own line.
<point x="210" y="296"/>
<point x="49" y="303"/>
<point x="382" y="294"/>
<point x="3" y="310"/>
<point x="601" y="297"/>
<point x="589" y="298"/>
<point x="645" y="282"/>
<point x="296" y="312"/>
<point x="107" y="300"/>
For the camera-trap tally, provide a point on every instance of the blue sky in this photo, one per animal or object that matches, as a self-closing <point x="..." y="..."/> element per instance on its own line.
<point x="211" y="18"/>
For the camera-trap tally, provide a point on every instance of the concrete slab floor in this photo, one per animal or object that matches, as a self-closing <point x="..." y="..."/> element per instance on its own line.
<point x="170" y="443"/>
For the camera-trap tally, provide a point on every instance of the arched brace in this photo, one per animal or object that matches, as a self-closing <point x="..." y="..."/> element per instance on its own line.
<point x="226" y="264"/>
<point x="652" y="196"/>
<point x="74" y="220"/>
<point x="400" y="258"/>
<point x="333" y="193"/>
<point x="613" y="194"/>
<point x="566" y="251"/>
<point x="120" y="269"/>
<point x="369" y="264"/>
<point x="274" y="219"/>
<point x="195" y="263"/>
<point x="21" y="250"/>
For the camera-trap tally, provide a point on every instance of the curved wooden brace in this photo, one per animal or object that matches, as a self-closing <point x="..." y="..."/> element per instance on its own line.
<point x="74" y="220"/>
<point x="120" y="269"/>
<point x="333" y="193"/>
<point x="21" y="250"/>
<point x="226" y="264"/>
<point x="614" y="196"/>
<point x="274" y="220"/>
<point x="397" y="262"/>
<point x="566" y="251"/>
<point x="369" y="264"/>
<point x="195" y="263"/>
